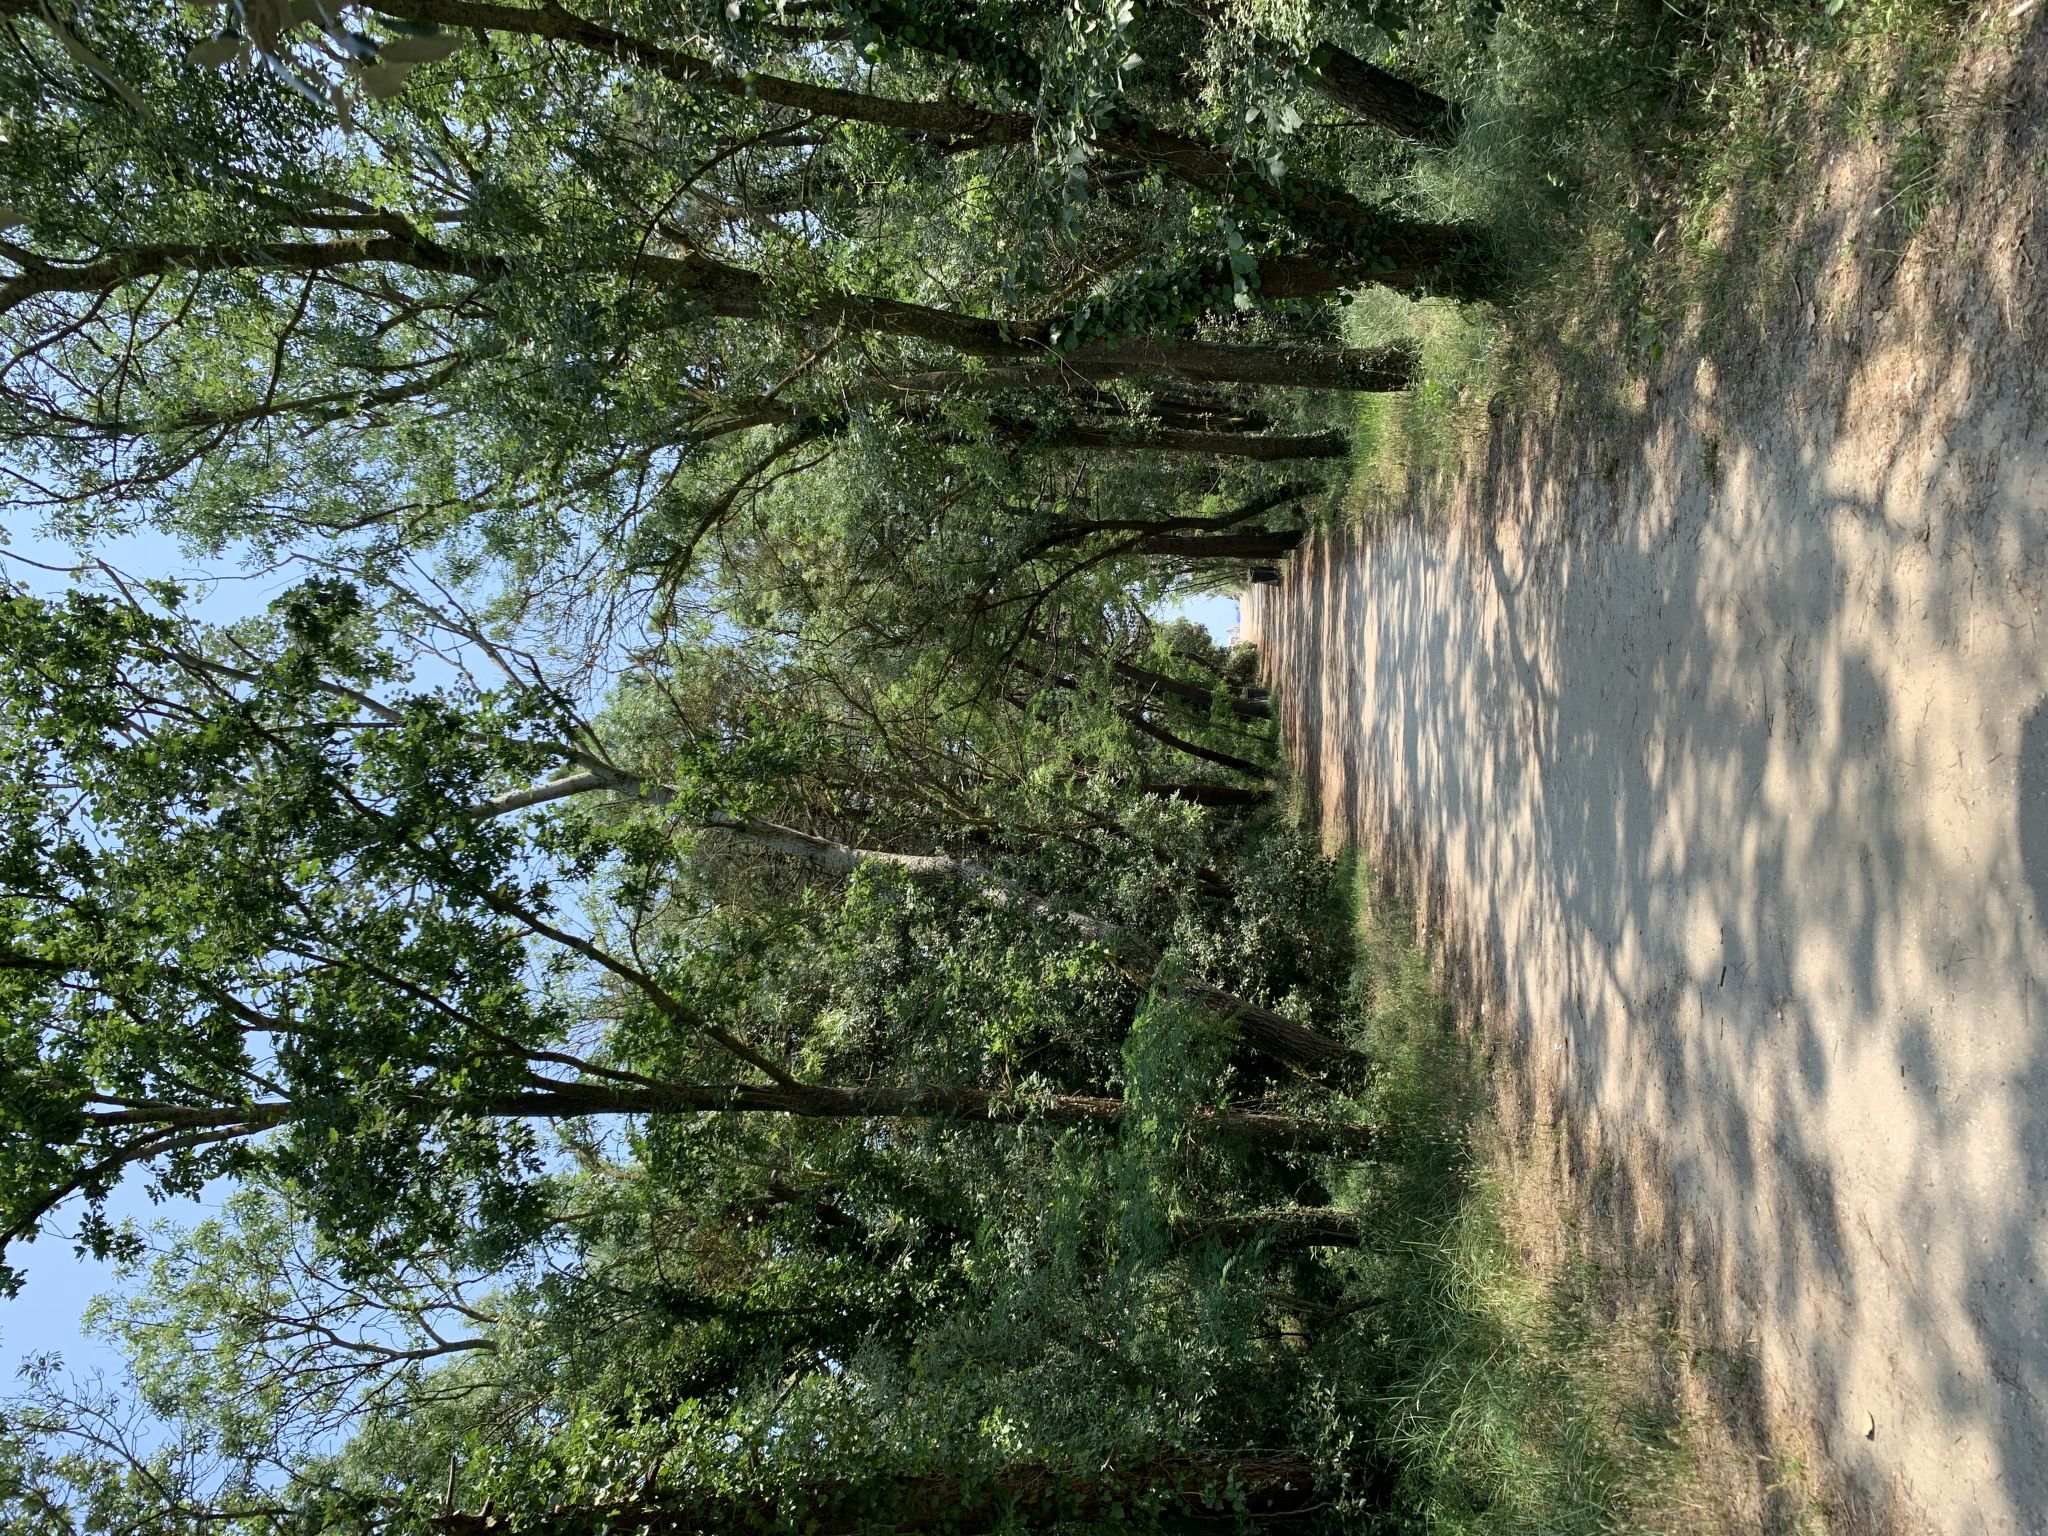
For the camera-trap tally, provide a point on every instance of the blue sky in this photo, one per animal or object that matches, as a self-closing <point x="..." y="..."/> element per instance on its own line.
<point x="1214" y="612"/>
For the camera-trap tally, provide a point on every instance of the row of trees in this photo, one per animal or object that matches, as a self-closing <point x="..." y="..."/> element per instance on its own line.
<point x="835" y="999"/>
<point x="719" y="968"/>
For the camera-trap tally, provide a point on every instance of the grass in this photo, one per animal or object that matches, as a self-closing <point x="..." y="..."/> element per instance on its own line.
<point x="1634" y="160"/>
<point x="1518" y="1381"/>
<point x="1401" y="440"/>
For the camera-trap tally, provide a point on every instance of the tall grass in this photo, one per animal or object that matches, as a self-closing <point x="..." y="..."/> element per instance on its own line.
<point x="1401" y="441"/>
<point x="1503" y="1399"/>
<point x="1629" y="159"/>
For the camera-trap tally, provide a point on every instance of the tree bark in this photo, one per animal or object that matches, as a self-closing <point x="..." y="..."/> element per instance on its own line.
<point x="552" y="1100"/>
<point x="1280" y="366"/>
<point x="1231" y="797"/>
<point x="1382" y="99"/>
<point x="1274" y="449"/>
<point x="1194" y="749"/>
<point x="1073" y="532"/>
<point x="117" y="1135"/>
<point x="1274" y="1034"/>
<point x="1205" y="415"/>
<point x="1271" y="1034"/>
<point x="1385" y="100"/>
<point x="705" y="285"/>
<point x="1201" y="699"/>
<point x="1169" y="410"/>
<point x="1223" y="546"/>
<point x="1130" y="436"/>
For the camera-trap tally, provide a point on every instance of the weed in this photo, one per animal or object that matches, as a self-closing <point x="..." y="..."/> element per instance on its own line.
<point x="1516" y="1382"/>
<point x="1425" y="430"/>
<point x="1634" y="160"/>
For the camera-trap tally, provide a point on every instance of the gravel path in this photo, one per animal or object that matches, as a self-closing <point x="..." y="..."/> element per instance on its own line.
<point x="1722" y="720"/>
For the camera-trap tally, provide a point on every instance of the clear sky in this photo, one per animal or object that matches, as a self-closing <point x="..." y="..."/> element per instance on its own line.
<point x="1213" y="611"/>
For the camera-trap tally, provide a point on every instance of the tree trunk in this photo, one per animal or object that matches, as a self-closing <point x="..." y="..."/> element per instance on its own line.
<point x="1204" y="415"/>
<point x="1280" y="365"/>
<point x="1367" y="241"/>
<point x="1195" y="749"/>
<point x="703" y="285"/>
<point x="1211" y="1491"/>
<point x="1223" y="546"/>
<point x="1135" y="435"/>
<point x="116" y="1135"/>
<point x="1217" y="796"/>
<point x="550" y="1099"/>
<point x="1382" y="99"/>
<point x="1217" y="445"/>
<point x="1298" y="1046"/>
<point x="1166" y="409"/>
<point x="1201" y="699"/>
<point x="1272" y="1034"/>
<point x="1068" y="533"/>
<point x="884" y="1102"/>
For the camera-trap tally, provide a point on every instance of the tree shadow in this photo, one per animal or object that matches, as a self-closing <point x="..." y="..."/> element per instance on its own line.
<point x="1714" y="731"/>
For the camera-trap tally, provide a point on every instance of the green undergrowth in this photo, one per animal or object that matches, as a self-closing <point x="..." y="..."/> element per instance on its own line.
<point x="1415" y="436"/>
<point x="1502" y="1398"/>
<point x="1637" y="162"/>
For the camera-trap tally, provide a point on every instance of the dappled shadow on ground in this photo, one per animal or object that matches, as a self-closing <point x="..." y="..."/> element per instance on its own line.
<point x="1719" y="718"/>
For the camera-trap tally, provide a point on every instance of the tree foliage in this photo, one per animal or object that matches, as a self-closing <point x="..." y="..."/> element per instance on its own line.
<point x="718" y="966"/>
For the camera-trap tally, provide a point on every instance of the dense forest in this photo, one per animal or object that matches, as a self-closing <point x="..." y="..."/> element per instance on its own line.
<point x="715" y="965"/>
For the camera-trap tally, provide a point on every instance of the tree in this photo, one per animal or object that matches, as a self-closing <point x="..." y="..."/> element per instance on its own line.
<point x="256" y="919"/>
<point x="1334" y="72"/>
<point x="1209" y="1491"/>
<point x="811" y="1004"/>
<point x="558" y="282"/>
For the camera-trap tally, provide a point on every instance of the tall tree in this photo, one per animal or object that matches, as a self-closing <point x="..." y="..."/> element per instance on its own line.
<point x="558" y="281"/>
<point x="255" y="916"/>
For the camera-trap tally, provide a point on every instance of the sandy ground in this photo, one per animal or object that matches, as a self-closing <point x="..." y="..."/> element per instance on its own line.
<point x="1720" y="721"/>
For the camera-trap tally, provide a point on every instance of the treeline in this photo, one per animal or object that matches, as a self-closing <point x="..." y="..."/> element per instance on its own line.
<point x="719" y="968"/>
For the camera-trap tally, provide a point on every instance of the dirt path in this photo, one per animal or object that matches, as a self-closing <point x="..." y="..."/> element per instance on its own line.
<point x="1723" y="728"/>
